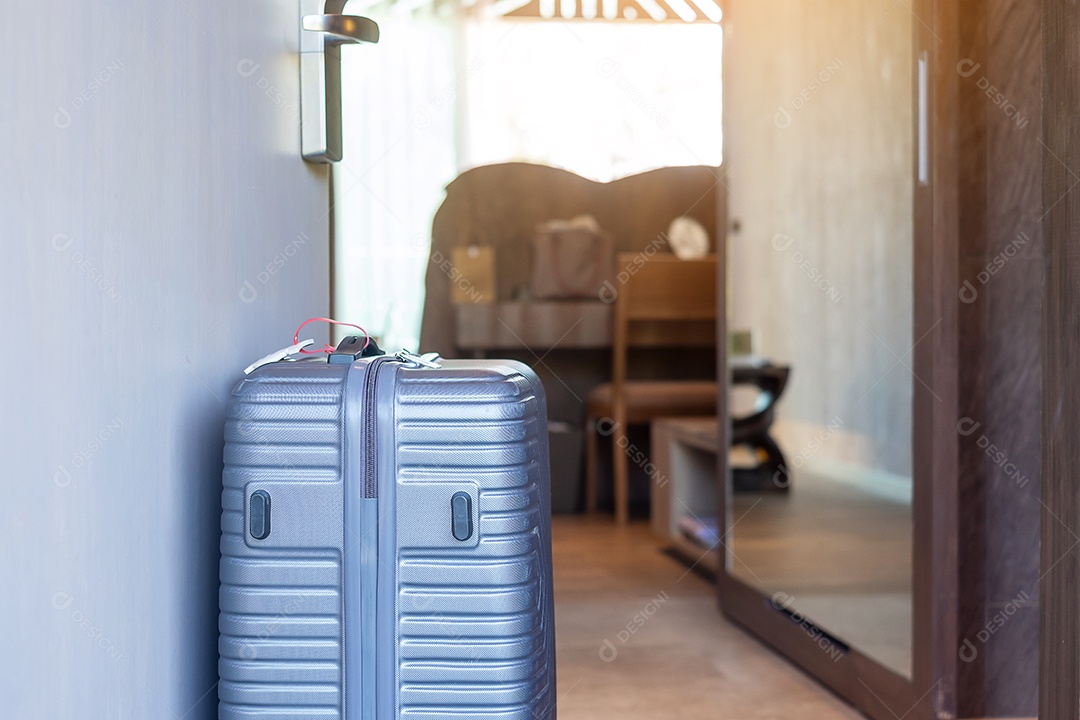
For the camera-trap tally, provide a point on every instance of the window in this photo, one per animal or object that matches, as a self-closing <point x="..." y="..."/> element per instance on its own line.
<point x="603" y="100"/>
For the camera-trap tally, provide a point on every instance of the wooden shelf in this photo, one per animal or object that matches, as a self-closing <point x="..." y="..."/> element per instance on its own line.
<point x="696" y="555"/>
<point x="684" y="451"/>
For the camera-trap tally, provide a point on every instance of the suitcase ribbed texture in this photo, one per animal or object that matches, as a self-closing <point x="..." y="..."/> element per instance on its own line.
<point x="475" y="637"/>
<point x="474" y="634"/>
<point x="281" y="609"/>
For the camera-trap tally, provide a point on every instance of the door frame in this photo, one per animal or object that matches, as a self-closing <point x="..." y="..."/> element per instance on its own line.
<point x="1059" y="607"/>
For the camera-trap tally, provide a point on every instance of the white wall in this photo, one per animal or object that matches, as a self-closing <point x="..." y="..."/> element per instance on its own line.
<point x="144" y="180"/>
<point x="818" y="118"/>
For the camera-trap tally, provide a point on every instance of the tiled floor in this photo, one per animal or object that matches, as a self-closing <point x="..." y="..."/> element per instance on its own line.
<point x="640" y="638"/>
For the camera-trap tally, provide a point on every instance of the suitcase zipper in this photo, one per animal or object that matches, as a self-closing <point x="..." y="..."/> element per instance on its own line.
<point x="369" y="514"/>
<point x="370" y="409"/>
<point x="371" y="414"/>
<point x="369" y="559"/>
<point x="371" y="420"/>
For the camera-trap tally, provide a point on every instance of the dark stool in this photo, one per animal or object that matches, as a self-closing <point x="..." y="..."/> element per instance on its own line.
<point x="771" y="473"/>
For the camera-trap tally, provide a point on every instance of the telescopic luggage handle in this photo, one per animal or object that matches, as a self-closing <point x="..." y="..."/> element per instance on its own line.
<point x="353" y="348"/>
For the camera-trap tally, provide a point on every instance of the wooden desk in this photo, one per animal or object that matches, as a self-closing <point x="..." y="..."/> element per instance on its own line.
<point x="538" y="326"/>
<point x="563" y="325"/>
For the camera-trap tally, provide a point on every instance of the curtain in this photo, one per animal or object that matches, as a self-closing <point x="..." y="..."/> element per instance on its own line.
<point x="399" y="154"/>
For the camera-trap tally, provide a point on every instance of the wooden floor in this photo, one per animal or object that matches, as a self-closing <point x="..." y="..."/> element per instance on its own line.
<point x="640" y="638"/>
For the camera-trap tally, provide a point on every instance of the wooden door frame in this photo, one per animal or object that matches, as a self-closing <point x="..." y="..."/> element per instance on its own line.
<point x="930" y="694"/>
<point x="1059" y="683"/>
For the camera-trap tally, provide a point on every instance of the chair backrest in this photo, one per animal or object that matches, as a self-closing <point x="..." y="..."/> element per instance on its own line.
<point x="662" y="302"/>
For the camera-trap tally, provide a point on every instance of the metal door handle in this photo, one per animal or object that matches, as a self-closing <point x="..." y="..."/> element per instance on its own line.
<point x="923" y="151"/>
<point x="323" y="31"/>
<point x="342" y="29"/>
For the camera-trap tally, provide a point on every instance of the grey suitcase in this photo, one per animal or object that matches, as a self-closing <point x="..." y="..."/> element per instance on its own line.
<point x="386" y="547"/>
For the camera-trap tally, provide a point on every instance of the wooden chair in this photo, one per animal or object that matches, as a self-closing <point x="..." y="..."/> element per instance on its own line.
<point x="664" y="302"/>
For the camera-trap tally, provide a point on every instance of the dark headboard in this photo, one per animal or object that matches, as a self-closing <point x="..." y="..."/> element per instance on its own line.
<point x="500" y="205"/>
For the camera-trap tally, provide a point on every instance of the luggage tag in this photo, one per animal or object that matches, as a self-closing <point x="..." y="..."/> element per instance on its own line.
<point x="278" y="355"/>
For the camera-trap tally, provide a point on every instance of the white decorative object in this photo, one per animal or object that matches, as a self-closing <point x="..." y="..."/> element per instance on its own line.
<point x="688" y="239"/>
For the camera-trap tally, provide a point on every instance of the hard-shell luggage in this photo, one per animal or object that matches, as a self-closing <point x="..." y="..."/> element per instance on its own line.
<point x="386" y="546"/>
